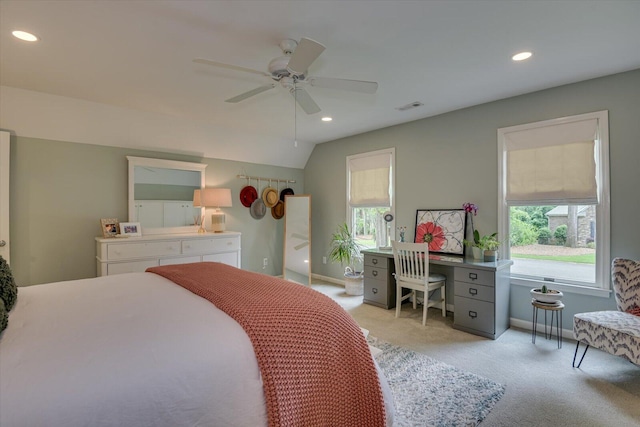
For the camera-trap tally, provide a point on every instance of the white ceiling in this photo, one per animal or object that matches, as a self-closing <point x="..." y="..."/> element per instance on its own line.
<point x="446" y="54"/>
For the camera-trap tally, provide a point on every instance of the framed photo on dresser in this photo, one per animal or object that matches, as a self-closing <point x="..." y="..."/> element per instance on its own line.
<point x="110" y="227"/>
<point x="130" y="229"/>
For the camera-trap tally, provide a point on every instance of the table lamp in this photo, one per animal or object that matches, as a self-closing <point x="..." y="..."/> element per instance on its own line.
<point x="216" y="198"/>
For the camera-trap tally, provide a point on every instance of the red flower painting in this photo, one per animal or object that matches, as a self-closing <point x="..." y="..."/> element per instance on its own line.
<point x="432" y="234"/>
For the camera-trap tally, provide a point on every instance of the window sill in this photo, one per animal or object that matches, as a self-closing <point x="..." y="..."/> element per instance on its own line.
<point x="571" y="289"/>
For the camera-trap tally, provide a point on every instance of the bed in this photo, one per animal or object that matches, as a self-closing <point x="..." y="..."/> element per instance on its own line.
<point x="138" y="349"/>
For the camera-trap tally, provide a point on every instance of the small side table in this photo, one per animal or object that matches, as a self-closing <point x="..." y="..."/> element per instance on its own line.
<point x="554" y="309"/>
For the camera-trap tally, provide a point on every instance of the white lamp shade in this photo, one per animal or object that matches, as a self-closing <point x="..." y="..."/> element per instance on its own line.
<point x="213" y="197"/>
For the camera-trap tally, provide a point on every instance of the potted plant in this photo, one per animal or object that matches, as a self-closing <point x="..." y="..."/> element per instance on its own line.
<point x="346" y="250"/>
<point x="485" y="246"/>
<point x="546" y="295"/>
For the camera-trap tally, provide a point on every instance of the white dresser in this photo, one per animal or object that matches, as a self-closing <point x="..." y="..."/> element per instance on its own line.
<point x="134" y="254"/>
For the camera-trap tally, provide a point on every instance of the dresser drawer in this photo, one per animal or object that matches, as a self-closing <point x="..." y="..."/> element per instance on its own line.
<point x="376" y="273"/>
<point x="375" y="290"/>
<point x="472" y="275"/>
<point x="474" y="314"/>
<point x="201" y="246"/>
<point x="229" y="258"/>
<point x="474" y="291"/>
<point x="117" y="251"/>
<point x="375" y="261"/>
<point x="181" y="260"/>
<point x="130" y="267"/>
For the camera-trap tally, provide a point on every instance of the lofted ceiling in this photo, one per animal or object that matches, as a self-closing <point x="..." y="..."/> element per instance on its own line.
<point x="445" y="54"/>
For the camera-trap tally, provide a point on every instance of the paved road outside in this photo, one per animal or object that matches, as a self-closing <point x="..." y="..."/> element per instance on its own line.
<point x="559" y="270"/>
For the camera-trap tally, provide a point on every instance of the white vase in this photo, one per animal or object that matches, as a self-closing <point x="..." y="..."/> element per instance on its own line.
<point x="550" y="296"/>
<point x="476" y="252"/>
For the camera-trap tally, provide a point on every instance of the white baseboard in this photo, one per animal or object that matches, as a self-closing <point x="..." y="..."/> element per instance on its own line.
<point x="327" y="279"/>
<point x="525" y="324"/>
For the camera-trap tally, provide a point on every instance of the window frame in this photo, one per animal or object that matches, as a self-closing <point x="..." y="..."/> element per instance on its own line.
<point x="392" y="184"/>
<point x="602" y="286"/>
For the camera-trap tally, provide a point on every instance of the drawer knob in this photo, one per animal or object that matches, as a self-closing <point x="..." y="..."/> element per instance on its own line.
<point x="473" y="291"/>
<point x="374" y="261"/>
<point x="374" y="290"/>
<point x="374" y="273"/>
<point x="473" y="314"/>
<point x="473" y="276"/>
<point x="187" y="246"/>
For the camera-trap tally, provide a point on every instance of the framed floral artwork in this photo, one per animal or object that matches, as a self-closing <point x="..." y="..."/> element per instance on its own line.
<point x="443" y="230"/>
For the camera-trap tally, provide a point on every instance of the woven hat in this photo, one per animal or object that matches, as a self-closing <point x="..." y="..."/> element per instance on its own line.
<point x="277" y="211"/>
<point x="248" y="195"/>
<point x="286" y="192"/>
<point x="257" y="209"/>
<point x="270" y="196"/>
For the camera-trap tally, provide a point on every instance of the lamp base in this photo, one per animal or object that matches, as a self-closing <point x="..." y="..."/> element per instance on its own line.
<point x="218" y="222"/>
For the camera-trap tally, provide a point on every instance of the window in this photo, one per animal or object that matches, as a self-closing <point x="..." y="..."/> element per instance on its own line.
<point x="370" y="190"/>
<point x="554" y="202"/>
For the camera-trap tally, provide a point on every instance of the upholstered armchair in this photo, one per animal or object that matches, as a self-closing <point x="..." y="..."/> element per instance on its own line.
<point x="616" y="332"/>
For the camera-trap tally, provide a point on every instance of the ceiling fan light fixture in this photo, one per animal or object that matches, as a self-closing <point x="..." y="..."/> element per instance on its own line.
<point x="23" y="35"/>
<point x="521" y="56"/>
<point x="327" y="119"/>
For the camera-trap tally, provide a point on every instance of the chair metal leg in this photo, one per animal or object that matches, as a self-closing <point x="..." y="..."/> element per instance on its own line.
<point x="576" y="353"/>
<point x="535" y="324"/>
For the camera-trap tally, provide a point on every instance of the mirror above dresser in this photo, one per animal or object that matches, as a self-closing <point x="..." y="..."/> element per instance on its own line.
<point x="161" y="194"/>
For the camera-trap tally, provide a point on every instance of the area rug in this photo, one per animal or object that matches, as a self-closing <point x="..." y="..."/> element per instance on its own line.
<point x="427" y="392"/>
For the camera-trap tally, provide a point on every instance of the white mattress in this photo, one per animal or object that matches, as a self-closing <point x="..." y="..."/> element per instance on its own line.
<point x="128" y="350"/>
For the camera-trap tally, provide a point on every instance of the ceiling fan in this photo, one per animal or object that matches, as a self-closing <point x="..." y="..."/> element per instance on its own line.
<point x="290" y="70"/>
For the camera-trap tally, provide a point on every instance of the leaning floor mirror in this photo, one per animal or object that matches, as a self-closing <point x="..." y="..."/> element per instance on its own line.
<point x="296" y="263"/>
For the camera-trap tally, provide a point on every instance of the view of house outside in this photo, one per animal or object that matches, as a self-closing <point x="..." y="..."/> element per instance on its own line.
<point x="553" y="241"/>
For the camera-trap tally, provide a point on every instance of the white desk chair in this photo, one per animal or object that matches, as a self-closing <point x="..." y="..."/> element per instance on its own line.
<point x="412" y="272"/>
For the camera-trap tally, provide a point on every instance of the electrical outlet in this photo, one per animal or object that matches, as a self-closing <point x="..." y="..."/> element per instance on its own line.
<point x="324" y="259"/>
<point x="265" y="262"/>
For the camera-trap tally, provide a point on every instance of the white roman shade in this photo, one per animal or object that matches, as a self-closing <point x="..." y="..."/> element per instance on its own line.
<point x="552" y="164"/>
<point x="370" y="180"/>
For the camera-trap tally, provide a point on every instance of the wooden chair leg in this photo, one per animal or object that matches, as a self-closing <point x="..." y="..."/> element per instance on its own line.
<point x="444" y="301"/>
<point x="398" y="299"/>
<point x="414" y="297"/>
<point x="425" y="307"/>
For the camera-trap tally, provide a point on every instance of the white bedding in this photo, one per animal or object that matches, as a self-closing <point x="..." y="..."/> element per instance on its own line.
<point x="127" y="350"/>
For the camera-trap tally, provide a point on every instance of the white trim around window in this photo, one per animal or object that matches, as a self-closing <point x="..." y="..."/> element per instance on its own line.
<point x="602" y="278"/>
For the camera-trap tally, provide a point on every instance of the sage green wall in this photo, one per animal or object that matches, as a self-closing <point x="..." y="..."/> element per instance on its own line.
<point x="60" y="190"/>
<point x="444" y="161"/>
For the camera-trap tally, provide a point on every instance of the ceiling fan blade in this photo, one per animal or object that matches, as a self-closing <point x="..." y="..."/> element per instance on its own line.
<point x="251" y="93"/>
<point x="305" y="101"/>
<point x="230" y="67"/>
<point x="307" y="51"/>
<point x="344" y="84"/>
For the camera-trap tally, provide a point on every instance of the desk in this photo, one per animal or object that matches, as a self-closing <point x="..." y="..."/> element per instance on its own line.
<point x="479" y="290"/>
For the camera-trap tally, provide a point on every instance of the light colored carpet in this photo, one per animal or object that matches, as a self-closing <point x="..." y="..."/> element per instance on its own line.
<point x="427" y="392"/>
<point x="542" y="389"/>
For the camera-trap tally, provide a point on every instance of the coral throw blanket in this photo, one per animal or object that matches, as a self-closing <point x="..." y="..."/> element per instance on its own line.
<point x="315" y="363"/>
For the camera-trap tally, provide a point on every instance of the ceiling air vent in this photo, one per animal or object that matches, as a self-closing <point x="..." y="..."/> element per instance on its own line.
<point x="414" y="104"/>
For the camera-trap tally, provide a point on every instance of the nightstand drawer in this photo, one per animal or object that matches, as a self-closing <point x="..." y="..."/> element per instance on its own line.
<point x="474" y="314"/>
<point x="118" y="251"/>
<point x="474" y="291"/>
<point x="475" y="276"/>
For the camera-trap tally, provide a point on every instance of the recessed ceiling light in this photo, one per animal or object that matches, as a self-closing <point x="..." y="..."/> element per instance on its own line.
<point x="23" y="35"/>
<point x="327" y="119"/>
<point x="521" y="56"/>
